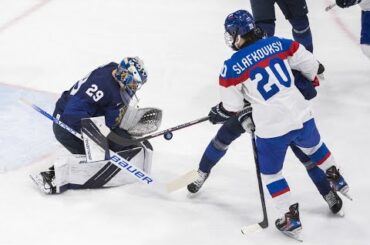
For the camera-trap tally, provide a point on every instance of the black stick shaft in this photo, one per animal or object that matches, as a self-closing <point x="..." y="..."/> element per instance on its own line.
<point x="126" y="142"/>
<point x="264" y="222"/>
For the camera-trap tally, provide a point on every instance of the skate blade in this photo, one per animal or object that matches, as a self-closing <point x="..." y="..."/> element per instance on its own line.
<point x="344" y="192"/>
<point x="40" y="183"/>
<point x="249" y="229"/>
<point x="293" y="234"/>
<point x="340" y="213"/>
<point x="347" y="196"/>
<point x="191" y="195"/>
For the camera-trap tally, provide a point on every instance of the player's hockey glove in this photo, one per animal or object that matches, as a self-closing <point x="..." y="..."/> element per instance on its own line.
<point x="219" y="114"/>
<point x="320" y="75"/>
<point x="346" y="3"/>
<point x="246" y="120"/>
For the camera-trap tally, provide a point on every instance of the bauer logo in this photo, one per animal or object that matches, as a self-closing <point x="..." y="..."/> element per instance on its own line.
<point x="132" y="169"/>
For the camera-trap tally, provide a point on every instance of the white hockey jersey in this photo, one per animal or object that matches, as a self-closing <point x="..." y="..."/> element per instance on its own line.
<point x="261" y="73"/>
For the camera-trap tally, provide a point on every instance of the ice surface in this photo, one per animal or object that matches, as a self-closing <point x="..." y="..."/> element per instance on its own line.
<point x="182" y="45"/>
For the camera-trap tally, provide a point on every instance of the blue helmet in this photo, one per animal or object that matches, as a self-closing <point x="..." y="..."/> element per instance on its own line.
<point x="131" y="74"/>
<point x="237" y="24"/>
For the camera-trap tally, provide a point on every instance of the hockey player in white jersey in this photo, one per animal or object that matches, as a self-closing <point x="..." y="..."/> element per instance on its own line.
<point x="106" y="97"/>
<point x="365" y="21"/>
<point x="261" y="73"/>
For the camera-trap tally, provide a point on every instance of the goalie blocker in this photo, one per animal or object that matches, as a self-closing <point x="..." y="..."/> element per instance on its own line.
<point x="94" y="170"/>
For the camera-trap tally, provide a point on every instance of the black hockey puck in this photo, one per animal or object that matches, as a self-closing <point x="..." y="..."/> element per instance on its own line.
<point x="168" y="135"/>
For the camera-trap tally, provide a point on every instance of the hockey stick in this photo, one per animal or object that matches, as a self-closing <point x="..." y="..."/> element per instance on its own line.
<point x="167" y="133"/>
<point x="125" y="165"/>
<point x="329" y="7"/>
<point x="246" y="230"/>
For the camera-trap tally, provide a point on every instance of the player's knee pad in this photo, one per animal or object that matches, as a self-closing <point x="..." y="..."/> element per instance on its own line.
<point x="366" y="49"/>
<point x="267" y="26"/>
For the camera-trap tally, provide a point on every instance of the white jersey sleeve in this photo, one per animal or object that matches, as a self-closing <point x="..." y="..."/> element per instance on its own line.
<point x="304" y="61"/>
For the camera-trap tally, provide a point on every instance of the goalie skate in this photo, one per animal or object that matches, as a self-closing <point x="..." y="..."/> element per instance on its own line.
<point x="45" y="181"/>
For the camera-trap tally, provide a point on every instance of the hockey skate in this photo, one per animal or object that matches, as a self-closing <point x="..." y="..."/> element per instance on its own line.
<point x="290" y="225"/>
<point x="335" y="202"/>
<point x="195" y="186"/>
<point x="337" y="181"/>
<point x="45" y="181"/>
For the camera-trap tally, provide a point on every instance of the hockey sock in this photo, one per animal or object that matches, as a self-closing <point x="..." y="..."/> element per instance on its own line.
<point x="211" y="156"/>
<point x="365" y="32"/>
<point x="318" y="177"/>
<point x="268" y="26"/>
<point x="322" y="158"/>
<point x="217" y="148"/>
<point x="279" y="190"/>
<point x="301" y="32"/>
<point x="316" y="174"/>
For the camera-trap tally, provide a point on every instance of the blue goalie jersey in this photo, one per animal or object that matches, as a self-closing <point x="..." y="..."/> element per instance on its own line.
<point x="98" y="94"/>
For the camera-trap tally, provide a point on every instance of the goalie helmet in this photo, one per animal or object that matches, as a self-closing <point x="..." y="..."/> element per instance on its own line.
<point x="238" y="24"/>
<point x="130" y="74"/>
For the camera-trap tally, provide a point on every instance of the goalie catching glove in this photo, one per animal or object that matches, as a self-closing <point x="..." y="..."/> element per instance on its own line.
<point x="140" y="121"/>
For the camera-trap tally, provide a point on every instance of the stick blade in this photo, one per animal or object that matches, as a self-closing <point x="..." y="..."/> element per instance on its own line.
<point x="250" y="229"/>
<point x="182" y="181"/>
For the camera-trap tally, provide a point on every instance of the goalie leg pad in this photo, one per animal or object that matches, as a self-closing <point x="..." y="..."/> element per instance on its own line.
<point x="74" y="172"/>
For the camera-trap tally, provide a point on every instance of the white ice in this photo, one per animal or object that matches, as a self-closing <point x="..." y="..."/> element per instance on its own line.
<point x="45" y="46"/>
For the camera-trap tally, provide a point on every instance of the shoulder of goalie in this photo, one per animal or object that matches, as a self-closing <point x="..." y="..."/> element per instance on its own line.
<point x="140" y="121"/>
<point x="94" y="133"/>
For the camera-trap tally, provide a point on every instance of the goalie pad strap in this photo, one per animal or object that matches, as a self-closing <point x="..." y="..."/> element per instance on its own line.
<point x="104" y="175"/>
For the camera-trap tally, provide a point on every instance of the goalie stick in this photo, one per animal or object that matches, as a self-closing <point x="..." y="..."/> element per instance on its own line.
<point x="248" y="229"/>
<point x="125" y="142"/>
<point x="125" y="165"/>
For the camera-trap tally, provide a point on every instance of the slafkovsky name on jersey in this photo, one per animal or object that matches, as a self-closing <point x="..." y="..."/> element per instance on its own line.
<point x="256" y="56"/>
